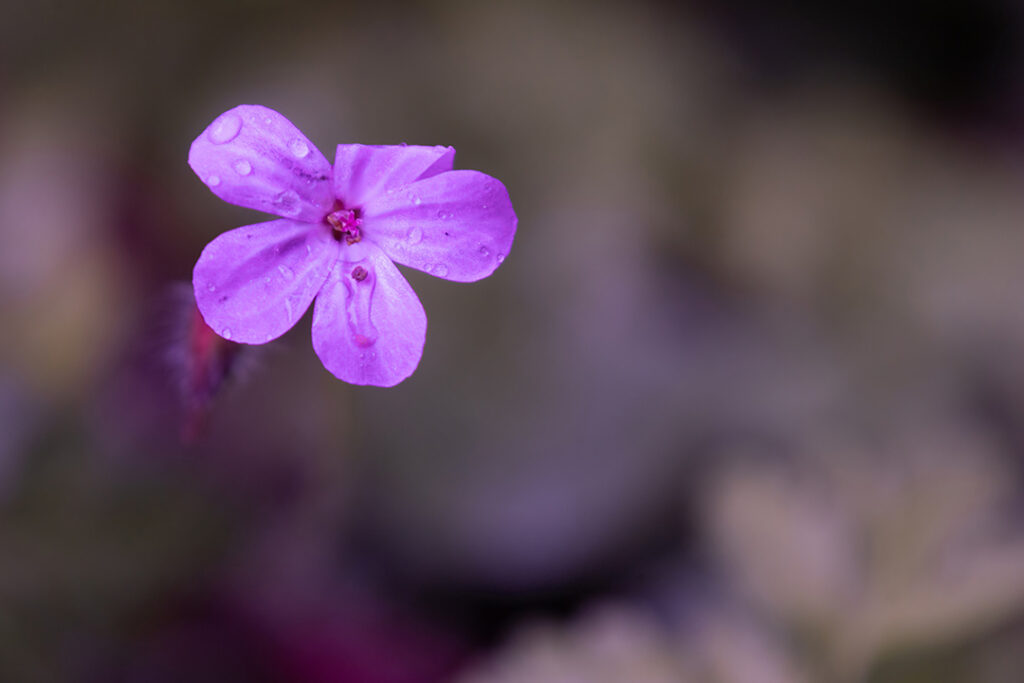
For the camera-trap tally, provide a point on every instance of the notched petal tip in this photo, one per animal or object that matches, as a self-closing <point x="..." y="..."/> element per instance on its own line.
<point x="444" y="163"/>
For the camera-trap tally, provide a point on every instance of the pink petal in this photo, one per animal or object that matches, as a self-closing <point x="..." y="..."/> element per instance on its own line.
<point x="457" y="225"/>
<point x="362" y="172"/>
<point x="368" y="325"/>
<point x="254" y="157"/>
<point x="253" y="283"/>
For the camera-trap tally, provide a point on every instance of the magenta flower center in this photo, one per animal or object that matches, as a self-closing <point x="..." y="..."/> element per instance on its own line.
<point x="345" y="223"/>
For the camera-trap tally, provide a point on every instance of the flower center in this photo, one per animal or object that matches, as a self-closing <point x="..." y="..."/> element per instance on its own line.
<point x="345" y="223"/>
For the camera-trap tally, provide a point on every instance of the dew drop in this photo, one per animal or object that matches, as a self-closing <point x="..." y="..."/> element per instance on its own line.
<point x="286" y="272"/>
<point x="299" y="148"/>
<point x="211" y="287"/>
<point x="213" y="181"/>
<point x="225" y="129"/>
<point x="309" y="250"/>
<point x="416" y="200"/>
<point x="358" y="310"/>
<point x="242" y="167"/>
<point x="501" y="257"/>
<point x="485" y="252"/>
<point x="226" y="333"/>
<point x="287" y="203"/>
<point x="415" y="236"/>
<point x="288" y="309"/>
<point x="428" y="267"/>
<point x="441" y="270"/>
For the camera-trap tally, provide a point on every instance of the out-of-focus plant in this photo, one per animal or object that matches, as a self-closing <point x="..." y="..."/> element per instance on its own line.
<point x="621" y="642"/>
<point x="904" y="547"/>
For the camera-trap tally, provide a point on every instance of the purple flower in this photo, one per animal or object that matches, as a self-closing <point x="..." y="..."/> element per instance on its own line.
<point x="340" y="234"/>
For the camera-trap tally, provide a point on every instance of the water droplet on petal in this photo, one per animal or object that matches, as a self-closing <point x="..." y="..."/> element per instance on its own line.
<point x="358" y="309"/>
<point x="288" y="309"/>
<point x="213" y="181"/>
<point x="427" y="267"/>
<point x="309" y="250"/>
<point x="485" y="252"/>
<point x="225" y="129"/>
<point x="501" y="257"/>
<point x="299" y="148"/>
<point x="286" y="272"/>
<point x="415" y="236"/>
<point x="211" y="287"/>
<point x="441" y="270"/>
<point x="416" y="201"/>
<point x="226" y="333"/>
<point x="287" y="203"/>
<point x="242" y="167"/>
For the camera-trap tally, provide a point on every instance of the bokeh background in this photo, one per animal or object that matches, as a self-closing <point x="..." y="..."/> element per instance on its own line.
<point x="744" y="404"/>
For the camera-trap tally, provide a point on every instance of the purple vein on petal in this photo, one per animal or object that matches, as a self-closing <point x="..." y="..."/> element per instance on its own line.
<point x="362" y="172"/>
<point x="254" y="157"/>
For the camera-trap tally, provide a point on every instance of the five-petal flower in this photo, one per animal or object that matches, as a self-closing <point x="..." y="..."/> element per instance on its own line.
<point x="340" y="232"/>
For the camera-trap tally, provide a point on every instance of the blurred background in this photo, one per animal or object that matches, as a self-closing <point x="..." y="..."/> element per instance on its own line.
<point x="744" y="404"/>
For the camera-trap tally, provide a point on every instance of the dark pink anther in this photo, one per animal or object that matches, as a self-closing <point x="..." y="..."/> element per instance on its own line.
<point x="345" y="223"/>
